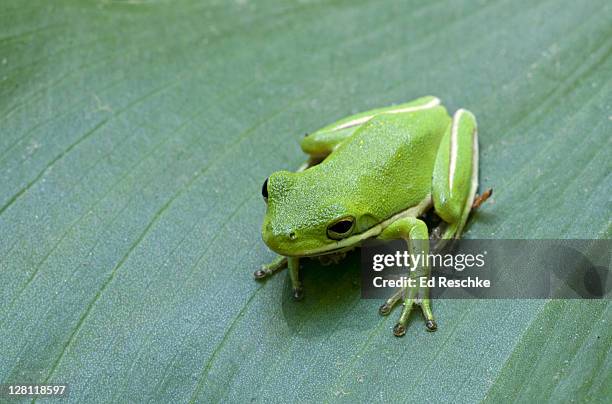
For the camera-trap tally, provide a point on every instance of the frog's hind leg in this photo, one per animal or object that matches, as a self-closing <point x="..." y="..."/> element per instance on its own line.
<point x="455" y="176"/>
<point x="416" y="293"/>
<point x="318" y="145"/>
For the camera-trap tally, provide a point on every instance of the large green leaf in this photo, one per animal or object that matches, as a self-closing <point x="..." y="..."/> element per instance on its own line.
<point x="134" y="139"/>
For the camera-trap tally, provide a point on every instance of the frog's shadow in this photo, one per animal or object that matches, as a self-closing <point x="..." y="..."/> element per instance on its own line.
<point x="331" y="297"/>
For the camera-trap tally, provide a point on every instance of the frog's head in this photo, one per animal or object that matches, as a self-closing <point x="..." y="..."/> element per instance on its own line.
<point x="304" y="216"/>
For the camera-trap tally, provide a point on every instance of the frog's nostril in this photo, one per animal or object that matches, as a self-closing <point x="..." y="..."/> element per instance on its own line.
<point x="292" y="235"/>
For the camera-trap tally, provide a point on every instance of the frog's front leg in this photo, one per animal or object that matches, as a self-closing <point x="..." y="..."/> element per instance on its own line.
<point x="294" y="274"/>
<point x="293" y="263"/>
<point x="455" y="176"/>
<point x="270" y="269"/>
<point x="414" y="232"/>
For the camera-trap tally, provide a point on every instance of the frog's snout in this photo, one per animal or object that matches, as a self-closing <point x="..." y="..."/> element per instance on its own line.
<point x="276" y="240"/>
<point x="279" y="238"/>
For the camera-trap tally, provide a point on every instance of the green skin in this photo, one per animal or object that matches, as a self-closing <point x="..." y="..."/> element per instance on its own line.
<point x="379" y="172"/>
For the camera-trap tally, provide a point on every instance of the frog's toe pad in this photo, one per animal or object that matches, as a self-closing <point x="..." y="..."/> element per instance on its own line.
<point x="431" y="325"/>
<point x="385" y="309"/>
<point x="298" y="294"/>
<point x="260" y="274"/>
<point x="399" y="330"/>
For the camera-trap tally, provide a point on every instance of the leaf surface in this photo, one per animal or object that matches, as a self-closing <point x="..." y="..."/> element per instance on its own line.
<point x="134" y="139"/>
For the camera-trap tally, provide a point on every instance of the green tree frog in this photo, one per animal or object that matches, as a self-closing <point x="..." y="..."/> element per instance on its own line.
<point x="374" y="175"/>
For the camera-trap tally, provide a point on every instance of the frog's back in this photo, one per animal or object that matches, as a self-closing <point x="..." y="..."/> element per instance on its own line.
<point x="387" y="164"/>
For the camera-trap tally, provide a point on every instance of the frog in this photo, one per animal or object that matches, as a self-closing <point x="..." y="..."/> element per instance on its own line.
<point x="375" y="175"/>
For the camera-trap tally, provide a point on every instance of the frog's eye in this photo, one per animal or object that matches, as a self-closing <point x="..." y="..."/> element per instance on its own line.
<point x="264" y="190"/>
<point x="341" y="228"/>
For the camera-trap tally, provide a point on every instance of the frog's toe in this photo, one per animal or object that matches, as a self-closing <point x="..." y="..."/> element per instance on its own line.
<point x="385" y="309"/>
<point x="431" y="325"/>
<point x="260" y="274"/>
<point x="390" y="303"/>
<point x="399" y="330"/>
<point x="298" y="294"/>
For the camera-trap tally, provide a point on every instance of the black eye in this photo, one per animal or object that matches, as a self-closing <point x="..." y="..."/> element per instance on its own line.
<point x="341" y="229"/>
<point x="264" y="190"/>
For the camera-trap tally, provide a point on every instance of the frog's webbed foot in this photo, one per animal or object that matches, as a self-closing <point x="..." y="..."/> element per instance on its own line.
<point x="413" y="297"/>
<point x="430" y="323"/>
<point x="414" y="231"/>
<point x="270" y="269"/>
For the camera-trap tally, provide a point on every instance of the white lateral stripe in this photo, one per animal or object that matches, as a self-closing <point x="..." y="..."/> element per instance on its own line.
<point x="452" y="166"/>
<point x="433" y="103"/>
<point x="352" y="241"/>
<point x="358" y="121"/>
<point x="474" y="185"/>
